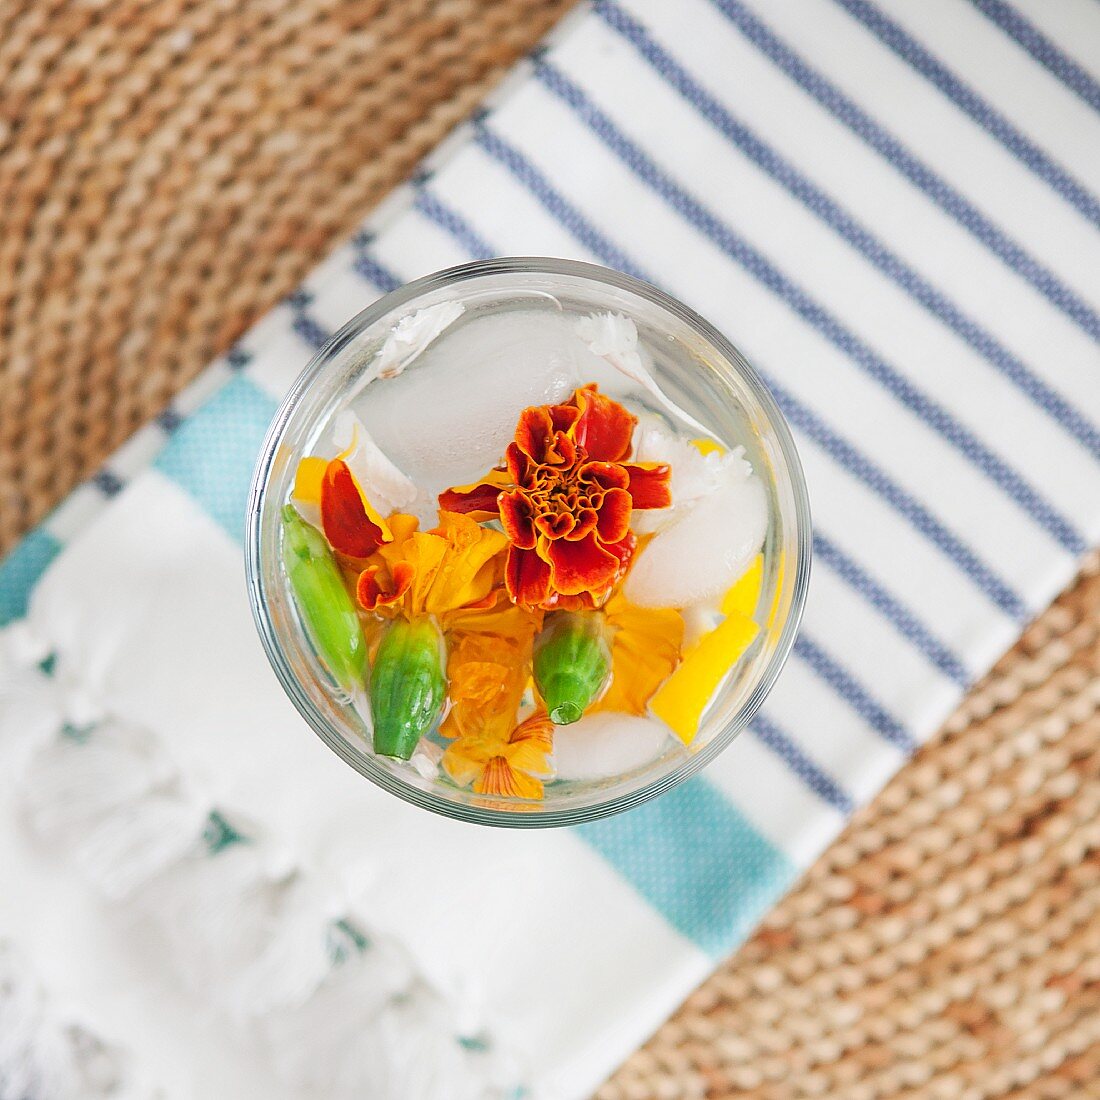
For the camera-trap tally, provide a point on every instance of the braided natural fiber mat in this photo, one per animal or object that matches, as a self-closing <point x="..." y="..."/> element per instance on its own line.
<point x="171" y="168"/>
<point x="948" y="944"/>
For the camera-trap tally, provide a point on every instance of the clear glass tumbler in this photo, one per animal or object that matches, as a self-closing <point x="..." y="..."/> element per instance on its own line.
<point x="694" y="365"/>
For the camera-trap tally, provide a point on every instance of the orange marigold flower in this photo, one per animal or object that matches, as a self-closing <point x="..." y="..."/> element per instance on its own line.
<point x="509" y="766"/>
<point x="564" y="498"/>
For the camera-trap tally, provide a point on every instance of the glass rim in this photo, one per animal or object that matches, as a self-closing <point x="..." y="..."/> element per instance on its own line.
<point x="543" y="817"/>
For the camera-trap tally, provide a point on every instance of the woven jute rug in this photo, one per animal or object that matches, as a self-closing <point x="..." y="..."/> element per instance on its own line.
<point x="169" y="169"/>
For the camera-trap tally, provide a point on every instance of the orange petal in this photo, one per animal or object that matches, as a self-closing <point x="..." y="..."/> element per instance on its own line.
<point x="558" y="526"/>
<point x="582" y="601"/>
<point x="624" y="551"/>
<point x="613" y="523"/>
<point x="649" y="484"/>
<point x="561" y="453"/>
<point x="604" y="428"/>
<point x="527" y="577"/>
<point x="517" y="519"/>
<point x="586" y="520"/>
<point x="520" y="466"/>
<point x="564" y="417"/>
<point x="500" y="778"/>
<point x="607" y="475"/>
<point x="583" y="566"/>
<point x="350" y="523"/>
<point x="374" y="589"/>
<point x="534" y="430"/>
<point x="402" y="526"/>
<point x="478" y="500"/>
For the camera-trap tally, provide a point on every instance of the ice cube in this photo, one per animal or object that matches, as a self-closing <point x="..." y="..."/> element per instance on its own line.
<point x="606" y="744"/>
<point x="700" y="555"/>
<point x="694" y="474"/>
<point x="447" y="419"/>
<point x="387" y="487"/>
<point x="426" y="759"/>
<point x="614" y="338"/>
<point x="412" y="335"/>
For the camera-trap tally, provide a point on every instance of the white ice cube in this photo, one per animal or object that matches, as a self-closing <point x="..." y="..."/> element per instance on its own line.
<point x="694" y="474"/>
<point x="387" y="487"/>
<point x="614" y="337"/>
<point x="700" y="555"/>
<point x="606" y="744"/>
<point x="448" y="418"/>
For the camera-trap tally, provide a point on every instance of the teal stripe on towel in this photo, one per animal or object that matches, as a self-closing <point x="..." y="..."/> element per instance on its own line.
<point x="696" y="859"/>
<point x="20" y="570"/>
<point x="212" y="454"/>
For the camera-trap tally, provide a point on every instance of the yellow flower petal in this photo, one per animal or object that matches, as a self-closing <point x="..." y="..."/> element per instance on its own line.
<point x="499" y="777"/>
<point x="402" y="526"/>
<point x="426" y="553"/>
<point x="488" y="668"/>
<point x="708" y="446"/>
<point x="683" y="697"/>
<point x="465" y="760"/>
<point x="372" y="513"/>
<point x="645" y="646"/>
<point x="455" y="565"/>
<point x="464" y="577"/>
<point x="307" y="479"/>
<point x="508" y="766"/>
<point x="744" y="594"/>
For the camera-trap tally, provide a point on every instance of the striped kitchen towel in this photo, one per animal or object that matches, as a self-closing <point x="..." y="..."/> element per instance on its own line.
<point x="894" y="211"/>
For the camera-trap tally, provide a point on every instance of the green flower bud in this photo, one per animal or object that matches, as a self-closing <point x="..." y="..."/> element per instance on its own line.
<point x="324" y="603"/>
<point x="407" y="685"/>
<point x="572" y="663"/>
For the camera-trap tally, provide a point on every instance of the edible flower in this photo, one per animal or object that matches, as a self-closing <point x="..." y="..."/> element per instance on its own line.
<point x="682" y="698"/>
<point x="564" y="498"/>
<point x="508" y="767"/>
<point x="488" y="669"/>
<point x="455" y="565"/>
<point x="744" y="594"/>
<point x="349" y="520"/>
<point x="646" y="643"/>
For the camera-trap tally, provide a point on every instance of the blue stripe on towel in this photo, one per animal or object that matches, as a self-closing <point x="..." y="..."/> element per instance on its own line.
<point x="966" y="99"/>
<point x="998" y="591"/>
<point x="696" y="859"/>
<point x="212" y="454"/>
<point x="1064" y="413"/>
<point x="370" y="269"/>
<point x="775" y="738"/>
<point x="20" y="570"/>
<point x="904" y="620"/>
<point x="453" y="222"/>
<point x="937" y="189"/>
<point x="1011" y="482"/>
<point x="918" y="515"/>
<point x="1049" y="55"/>
<point x="854" y="693"/>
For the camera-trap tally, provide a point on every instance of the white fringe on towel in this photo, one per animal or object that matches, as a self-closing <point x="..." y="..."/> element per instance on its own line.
<point x="344" y="1011"/>
<point x="43" y="1057"/>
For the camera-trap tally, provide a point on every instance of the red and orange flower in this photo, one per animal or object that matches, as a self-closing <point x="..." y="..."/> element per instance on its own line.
<point x="564" y="498"/>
